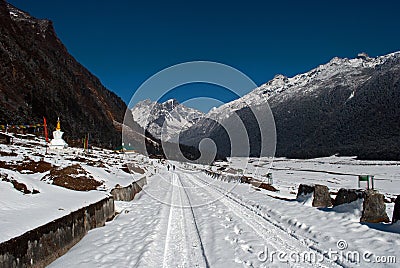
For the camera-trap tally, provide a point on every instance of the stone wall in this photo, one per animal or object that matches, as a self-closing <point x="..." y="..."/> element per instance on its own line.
<point x="41" y="246"/>
<point x="258" y="184"/>
<point x="223" y="176"/>
<point x="128" y="193"/>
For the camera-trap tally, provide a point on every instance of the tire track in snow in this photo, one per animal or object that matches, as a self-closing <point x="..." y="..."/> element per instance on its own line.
<point x="275" y="236"/>
<point x="152" y="255"/>
<point x="183" y="247"/>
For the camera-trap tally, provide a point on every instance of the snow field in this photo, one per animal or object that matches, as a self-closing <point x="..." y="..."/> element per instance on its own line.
<point x="186" y="219"/>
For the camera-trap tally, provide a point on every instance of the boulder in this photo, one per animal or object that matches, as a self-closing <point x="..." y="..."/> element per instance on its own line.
<point x="346" y="196"/>
<point x="245" y="179"/>
<point x="396" y="211"/>
<point x="374" y="207"/>
<point x="305" y="190"/>
<point x="321" y="196"/>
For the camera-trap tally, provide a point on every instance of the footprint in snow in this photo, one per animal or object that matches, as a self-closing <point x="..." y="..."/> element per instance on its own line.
<point x="246" y="248"/>
<point x="225" y="225"/>
<point x="231" y="240"/>
<point x="237" y="260"/>
<point x="98" y="257"/>
<point x="237" y="230"/>
<point x="213" y="207"/>
<point x="248" y="263"/>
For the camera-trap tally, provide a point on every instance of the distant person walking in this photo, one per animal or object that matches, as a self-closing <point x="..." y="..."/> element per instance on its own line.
<point x="168" y="167"/>
<point x="173" y="167"/>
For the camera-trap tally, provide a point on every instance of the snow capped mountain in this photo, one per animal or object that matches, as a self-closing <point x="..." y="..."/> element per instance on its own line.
<point x="344" y="106"/>
<point x="337" y="72"/>
<point x="166" y="119"/>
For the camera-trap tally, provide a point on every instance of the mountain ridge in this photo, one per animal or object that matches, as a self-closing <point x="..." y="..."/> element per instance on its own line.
<point x="335" y="108"/>
<point x="40" y="78"/>
<point x="170" y="114"/>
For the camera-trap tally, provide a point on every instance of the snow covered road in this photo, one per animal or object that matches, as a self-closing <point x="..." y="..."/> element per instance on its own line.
<point x="156" y="229"/>
<point x="183" y="246"/>
<point x="185" y="219"/>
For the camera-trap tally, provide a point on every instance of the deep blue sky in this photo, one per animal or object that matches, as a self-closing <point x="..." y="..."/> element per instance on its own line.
<point x="125" y="42"/>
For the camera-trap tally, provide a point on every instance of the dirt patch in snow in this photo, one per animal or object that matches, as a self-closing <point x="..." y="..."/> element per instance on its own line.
<point x="73" y="177"/>
<point x="92" y="163"/>
<point x="96" y="164"/>
<point x="18" y="185"/>
<point x="132" y="168"/>
<point x="263" y="185"/>
<point x="8" y="153"/>
<point x="232" y="171"/>
<point x="36" y="167"/>
<point x="32" y="166"/>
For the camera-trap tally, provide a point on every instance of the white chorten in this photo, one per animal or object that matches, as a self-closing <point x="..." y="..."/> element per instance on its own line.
<point x="57" y="142"/>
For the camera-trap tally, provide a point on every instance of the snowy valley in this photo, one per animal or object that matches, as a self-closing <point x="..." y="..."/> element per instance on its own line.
<point x="187" y="218"/>
<point x="314" y="183"/>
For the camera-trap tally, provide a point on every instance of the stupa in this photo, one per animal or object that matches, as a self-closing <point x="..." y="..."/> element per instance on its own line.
<point x="57" y="142"/>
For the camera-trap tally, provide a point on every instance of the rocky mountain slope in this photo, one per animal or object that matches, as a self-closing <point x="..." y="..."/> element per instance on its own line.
<point x="347" y="107"/>
<point x="38" y="77"/>
<point x="152" y="116"/>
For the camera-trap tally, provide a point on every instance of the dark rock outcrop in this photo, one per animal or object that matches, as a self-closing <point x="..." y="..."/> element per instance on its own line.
<point x="396" y="210"/>
<point x="346" y="196"/>
<point x="304" y="190"/>
<point x="374" y="208"/>
<point x="38" y="77"/>
<point x="321" y="196"/>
